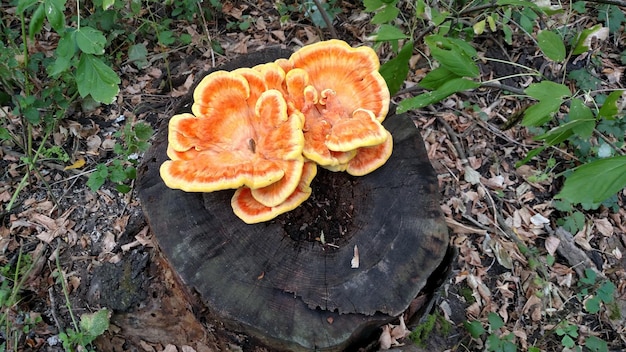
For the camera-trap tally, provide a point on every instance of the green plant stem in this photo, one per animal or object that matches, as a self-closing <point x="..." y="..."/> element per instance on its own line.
<point x="30" y="165"/>
<point x="326" y="18"/>
<point x="66" y="293"/>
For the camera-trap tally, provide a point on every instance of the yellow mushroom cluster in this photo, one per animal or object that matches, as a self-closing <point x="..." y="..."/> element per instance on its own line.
<point x="264" y="130"/>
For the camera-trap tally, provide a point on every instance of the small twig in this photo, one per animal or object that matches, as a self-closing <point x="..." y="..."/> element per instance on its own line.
<point x="208" y="35"/>
<point x="608" y="141"/>
<point x="501" y="86"/>
<point x="326" y="18"/>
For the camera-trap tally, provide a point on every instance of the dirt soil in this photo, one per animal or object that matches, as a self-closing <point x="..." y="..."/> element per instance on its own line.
<point x="102" y="246"/>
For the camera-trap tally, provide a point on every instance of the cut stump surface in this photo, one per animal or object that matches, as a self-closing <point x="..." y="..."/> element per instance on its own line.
<point x="276" y="281"/>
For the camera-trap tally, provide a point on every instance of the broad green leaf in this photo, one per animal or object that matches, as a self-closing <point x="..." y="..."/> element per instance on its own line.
<point x="596" y="344"/>
<point x="592" y="305"/>
<point x="436" y="78"/>
<point x="95" y="78"/>
<point x="106" y="4"/>
<point x="474" y="327"/>
<point x="452" y="56"/>
<point x="548" y="90"/>
<point x="64" y="53"/>
<point x="447" y="89"/>
<point x="605" y="292"/>
<point x="584" y="38"/>
<point x="36" y="21"/>
<point x="4" y="134"/>
<point x="372" y="5"/>
<point x="137" y="54"/>
<point x="508" y="34"/>
<point x="55" y="14"/>
<point x="22" y="5"/>
<point x="396" y="70"/>
<point x="558" y="134"/>
<point x="609" y="108"/>
<point x="578" y="111"/>
<point x="495" y="321"/>
<point x="579" y="6"/>
<point x="94" y="324"/>
<point x="552" y="45"/>
<point x="479" y="27"/>
<point x="90" y="40"/>
<point x="143" y="131"/>
<point x="388" y="32"/>
<point x="98" y="177"/>
<point x="595" y="181"/>
<point x="386" y="15"/>
<point x="492" y="23"/>
<point x="67" y="44"/>
<point x="541" y="112"/>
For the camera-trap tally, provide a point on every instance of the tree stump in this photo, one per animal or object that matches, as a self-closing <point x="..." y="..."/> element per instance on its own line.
<point x="289" y="282"/>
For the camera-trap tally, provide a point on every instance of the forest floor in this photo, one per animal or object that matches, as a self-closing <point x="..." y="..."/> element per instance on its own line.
<point x="520" y="258"/>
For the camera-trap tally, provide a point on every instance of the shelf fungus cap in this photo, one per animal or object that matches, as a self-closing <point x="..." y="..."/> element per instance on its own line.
<point x="251" y="211"/>
<point x="343" y="97"/>
<point x="239" y="135"/>
<point x="351" y="72"/>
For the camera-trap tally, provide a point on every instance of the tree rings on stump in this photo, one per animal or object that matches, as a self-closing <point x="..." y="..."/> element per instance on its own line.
<point x="290" y="282"/>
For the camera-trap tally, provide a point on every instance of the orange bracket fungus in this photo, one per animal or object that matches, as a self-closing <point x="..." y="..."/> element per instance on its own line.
<point x="329" y="250"/>
<point x="261" y="130"/>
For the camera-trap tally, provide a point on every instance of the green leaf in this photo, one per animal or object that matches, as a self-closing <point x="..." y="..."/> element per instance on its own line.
<point x="609" y="108"/>
<point x="592" y="305"/>
<point x="36" y="21"/>
<point x="567" y="341"/>
<point x="22" y="5"/>
<point x="436" y="78"/>
<point x="90" y="40"/>
<point x="106" y="4"/>
<point x="453" y="54"/>
<point x="95" y="78"/>
<point x="596" y="181"/>
<point x="596" y="344"/>
<point x="122" y="188"/>
<point x="98" y="177"/>
<point x="580" y="112"/>
<point x="55" y="13"/>
<point x="495" y="322"/>
<point x="372" y="5"/>
<point x="552" y="45"/>
<point x="474" y="328"/>
<point x="117" y="173"/>
<point x="479" y="27"/>
<point x="143" y="131"/>
<point x="66" y="48"/>
<point x="605" y="292"/>
<point x="94" y="324"/>
<point x="580" y="46"/>
<point x="396" y="70"/>
<point x="547" y="90"/>
<point x="385" y="15"/>
<point x="560" y="133"/>
<point x="447" y="89"/>
<point x="388" y="32"/>
<point x="166" y="38"/>
<point x="137" y="54"/>
<point x="541" y="112"/>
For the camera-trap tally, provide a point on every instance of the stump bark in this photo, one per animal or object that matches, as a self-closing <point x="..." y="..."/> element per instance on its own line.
<point x="289" y="282"/>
